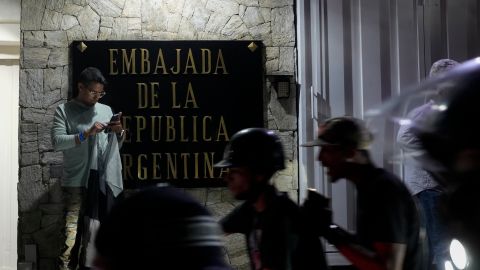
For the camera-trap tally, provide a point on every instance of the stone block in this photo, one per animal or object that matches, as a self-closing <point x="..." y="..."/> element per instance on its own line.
<point x="287" y="60"/>
<point x="249" y="3"/>
<point x="58" y="57"/>
<point x="49" y="241"/>
<point x="132" y="9"/>
<point x="35" y="57"/>
<point x="32" y="14"/>
<point x="120" y="28"/>
<point x="31" y="87"/>
<point x="52" y="20"/>
<point x="29" y="159"/>
<point x="33" y="38"/>
<point x="28" y="137"/>
<point x="33" y="115"/>
<point x="262" y="32"/>
<point x="228" y="7"/>
<point x="69" y="21"/>
<point x="72" y="9"/>
<point x="52" y="209"/>
<point x="48" y="220"/>
<point x="105" y="8"/>
<point x="90" y="23"/>
<point x="200" y="18"/>
<point x="29" y="147"/>
<point x="266" y="14"/>
<point x="30" y="221"/>
<point x="200" y="194"/>
<point x="56" y="39"/>
<point x="108" y="21"/>
<point x="56" y="5"/>
<point x="31" y="191"/>
<point x="252" y="17"/>
<point x="105" y="33"/>
<point x="153" y="16"/>
<point x="220" y="210"/>
<point x="75" y="33"/>
<point x="214" y="195"/>
<point x="283" y="32"/>
<point x="53" y="77"/>
<point x="216" y="22"/>
<point x="52" y="158"/>
<point x="275" y="3"/>
<point x="235" y="27"/>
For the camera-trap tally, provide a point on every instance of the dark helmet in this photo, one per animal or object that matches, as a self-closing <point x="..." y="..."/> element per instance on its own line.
<point x="256" y="148"/>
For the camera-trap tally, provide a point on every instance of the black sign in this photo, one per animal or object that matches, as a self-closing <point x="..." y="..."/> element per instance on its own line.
<point x="181" y="101"/>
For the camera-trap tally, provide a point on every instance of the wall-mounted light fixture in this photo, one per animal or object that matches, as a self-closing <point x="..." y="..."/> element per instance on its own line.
<point x="281" y="83"/>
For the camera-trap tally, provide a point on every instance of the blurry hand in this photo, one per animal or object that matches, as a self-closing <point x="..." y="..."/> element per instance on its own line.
<point x="316" y="213"/>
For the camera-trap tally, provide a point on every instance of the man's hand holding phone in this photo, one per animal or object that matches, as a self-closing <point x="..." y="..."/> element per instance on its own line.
<point x="115" y="125"/>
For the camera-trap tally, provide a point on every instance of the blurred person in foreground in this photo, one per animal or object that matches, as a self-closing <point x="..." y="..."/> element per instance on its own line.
<point x="388" y="229"/>
<point x="270" y="221"/>
<point x="159" y="228"/>
<point x="421" y="182"/>
<point x="450" y="139"/>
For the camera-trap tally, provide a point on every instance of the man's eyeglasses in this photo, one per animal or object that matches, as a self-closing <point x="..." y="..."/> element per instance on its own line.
<point x="94" y="93"/>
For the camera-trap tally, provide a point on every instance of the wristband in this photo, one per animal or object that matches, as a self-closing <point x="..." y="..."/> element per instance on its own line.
<point x="81" y="137"/>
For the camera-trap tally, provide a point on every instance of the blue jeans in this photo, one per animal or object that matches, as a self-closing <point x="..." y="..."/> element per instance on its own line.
<point x="436" y="229"/>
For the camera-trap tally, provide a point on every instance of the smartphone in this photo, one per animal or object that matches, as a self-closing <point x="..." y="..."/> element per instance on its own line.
<point x="115" y="118"/>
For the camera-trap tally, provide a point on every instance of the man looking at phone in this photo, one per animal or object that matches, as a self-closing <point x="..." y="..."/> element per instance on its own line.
<point x="91" y="168"/>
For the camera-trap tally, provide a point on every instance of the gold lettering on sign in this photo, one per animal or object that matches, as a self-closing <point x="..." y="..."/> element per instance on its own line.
<point x="142" y="172"/>
<point x="156" y="166"/>
<point x="206" y="61"/>
<point x="128" y="63"/>
<point x="113" y="61"/>
<point x="145" y="65"/>
<point x="127" y="162"/>
<point x="160" y="63"/>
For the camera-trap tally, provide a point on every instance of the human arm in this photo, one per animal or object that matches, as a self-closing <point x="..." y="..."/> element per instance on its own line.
<point x="61" y="139"/>
<point x="382" y="255"/>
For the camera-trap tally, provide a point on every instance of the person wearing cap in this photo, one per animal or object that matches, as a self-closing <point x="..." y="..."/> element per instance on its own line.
<point x="269" y="220"/>
<point x="420" y="182"/>
<point x="159" y="228"/>
<point x="388" y="230"/>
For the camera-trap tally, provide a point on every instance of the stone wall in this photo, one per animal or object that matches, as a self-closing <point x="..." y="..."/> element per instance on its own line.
<point x="47" y="29"/>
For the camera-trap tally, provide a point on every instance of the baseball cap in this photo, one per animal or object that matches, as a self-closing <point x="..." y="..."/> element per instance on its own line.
<point x="343" y="131"/>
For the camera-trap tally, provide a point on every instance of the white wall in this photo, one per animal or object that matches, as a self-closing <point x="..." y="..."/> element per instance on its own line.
<point x="9" y="81"/>
<point x="9" y="72"/>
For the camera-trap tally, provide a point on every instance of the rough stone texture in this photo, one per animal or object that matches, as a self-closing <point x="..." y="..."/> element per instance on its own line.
<point x="252" y="17"/>
<point x="52" y="78"/>
<point x="283" y="33"/>
<point x="29" y="147"/>
<point x="58" y="57"/>
<point x="31" y="191"/>
<point x="105" y="8"/>
<point x="49" y="26"/>
<point x="51" y="20"/>
<point x="90" y="23"/>
<point x="56" y="5"/>
<point x="29" y="159"/>
<point x="55" y="39"/>
<point x="52" y="158"/>
<point x="31" y="79"/>
<point x="49" y="244"/>
<point x="228" y="7"/>
<point x="68" y="21"/>
<point x="285" y="63"/>
<point x="120" y="28"/>
<point x="132" y="9"/>
<point x="35" y="57"/>
<point x="106" y="22"/>
<point x="32" y="14"/>
<point x="75" y="33"/>
<point x="33" y="38"/>
<point x="30" y="221"/>
<point x="33" y="115"/>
